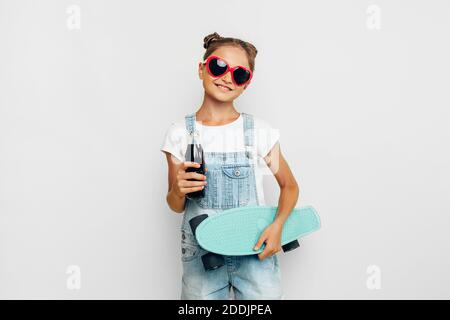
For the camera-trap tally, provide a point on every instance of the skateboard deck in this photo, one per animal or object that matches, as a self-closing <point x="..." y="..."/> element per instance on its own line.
<point x="236" y="231"/>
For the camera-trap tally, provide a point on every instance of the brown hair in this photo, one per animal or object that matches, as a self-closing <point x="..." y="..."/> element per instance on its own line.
<point x="213" y="41"/>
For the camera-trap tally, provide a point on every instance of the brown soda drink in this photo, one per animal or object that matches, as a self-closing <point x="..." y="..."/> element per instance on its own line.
<point x="194" y="153"/>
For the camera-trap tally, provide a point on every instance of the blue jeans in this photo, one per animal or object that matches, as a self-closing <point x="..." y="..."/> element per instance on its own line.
<point x="249" y="277"/>
<point x="231" y="183"/>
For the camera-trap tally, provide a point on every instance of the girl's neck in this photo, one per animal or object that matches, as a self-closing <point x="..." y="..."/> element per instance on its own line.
<point x="216" y="113"/>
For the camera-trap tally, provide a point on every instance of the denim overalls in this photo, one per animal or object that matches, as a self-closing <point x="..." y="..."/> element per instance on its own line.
<point x="231" y="183"/>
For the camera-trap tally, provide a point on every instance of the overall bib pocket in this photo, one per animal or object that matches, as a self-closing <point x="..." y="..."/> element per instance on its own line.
<point x="228" y="187"/>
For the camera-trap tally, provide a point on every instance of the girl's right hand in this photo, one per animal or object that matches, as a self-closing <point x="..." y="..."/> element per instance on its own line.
<point x="183" y="185"/>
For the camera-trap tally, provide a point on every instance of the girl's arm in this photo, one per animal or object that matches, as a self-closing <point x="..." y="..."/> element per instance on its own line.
<point x="289" y="190"/>
<point x="175" y="201"/>
<point x="289" y="193"/>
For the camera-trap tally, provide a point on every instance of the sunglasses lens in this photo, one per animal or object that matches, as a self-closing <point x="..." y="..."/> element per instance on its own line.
<point x="241" y="76"/>
<point x="217" y="67"/>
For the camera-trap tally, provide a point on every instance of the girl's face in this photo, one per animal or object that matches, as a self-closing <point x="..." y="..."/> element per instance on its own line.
<point x="235" y="57"/>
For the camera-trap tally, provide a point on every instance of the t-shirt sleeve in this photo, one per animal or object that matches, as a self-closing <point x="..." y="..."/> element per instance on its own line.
<point x="266" y="137"/>
<point x="173" y="141"/>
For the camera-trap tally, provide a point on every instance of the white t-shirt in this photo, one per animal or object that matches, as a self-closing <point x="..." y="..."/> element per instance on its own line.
<point x="225" y="138"/>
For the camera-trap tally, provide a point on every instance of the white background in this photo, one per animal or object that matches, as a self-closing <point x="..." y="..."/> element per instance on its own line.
<point x="363" y="115"/>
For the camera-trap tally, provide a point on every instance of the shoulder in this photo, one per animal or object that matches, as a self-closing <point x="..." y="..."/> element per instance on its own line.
<point x="176" y="127"/>
<point x="266" y="135"/>
<point x="175" y="133"/>
<point x="175" y="139"/>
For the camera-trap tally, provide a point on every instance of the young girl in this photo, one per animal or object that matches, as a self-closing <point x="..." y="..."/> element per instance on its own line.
<point x="232" y="143"/>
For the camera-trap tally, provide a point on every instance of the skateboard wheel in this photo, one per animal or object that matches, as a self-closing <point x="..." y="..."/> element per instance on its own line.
<point x="212" y="261"/>
<point x="195" y="222"/>
<point x="290" y="246"/>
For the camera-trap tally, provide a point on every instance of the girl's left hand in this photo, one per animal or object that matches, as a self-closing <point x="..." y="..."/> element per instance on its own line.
<point x="272" y="237"/>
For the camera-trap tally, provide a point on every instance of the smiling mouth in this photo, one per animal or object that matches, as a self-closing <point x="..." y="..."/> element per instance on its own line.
<point x="222" y="87"/>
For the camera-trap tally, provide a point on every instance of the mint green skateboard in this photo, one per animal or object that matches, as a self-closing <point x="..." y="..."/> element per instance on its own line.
<point x="234" y="232"/>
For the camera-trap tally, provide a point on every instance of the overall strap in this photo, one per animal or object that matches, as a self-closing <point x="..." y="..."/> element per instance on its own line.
<point x="249" y="136"/>
<point x="190" y="125"/>
<point x="250" y="150"/>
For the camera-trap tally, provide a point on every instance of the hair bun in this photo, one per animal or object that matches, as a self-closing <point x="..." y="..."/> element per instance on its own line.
<point x="210" y="38"/>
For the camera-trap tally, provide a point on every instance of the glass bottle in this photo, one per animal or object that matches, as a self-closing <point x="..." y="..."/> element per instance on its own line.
<point x="194" y="153"/>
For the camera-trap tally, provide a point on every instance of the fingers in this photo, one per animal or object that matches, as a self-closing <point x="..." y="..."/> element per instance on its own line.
<point x="188" y="164"/>
<point x="191" y="189"/>
<point x="263" y="254"/>
<point x="268" y="251"/>
<point x="183" y="175"/>
<point x="192" y="175"/>
<point x="188" y="184"/>
<point x="261" y="240"/>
